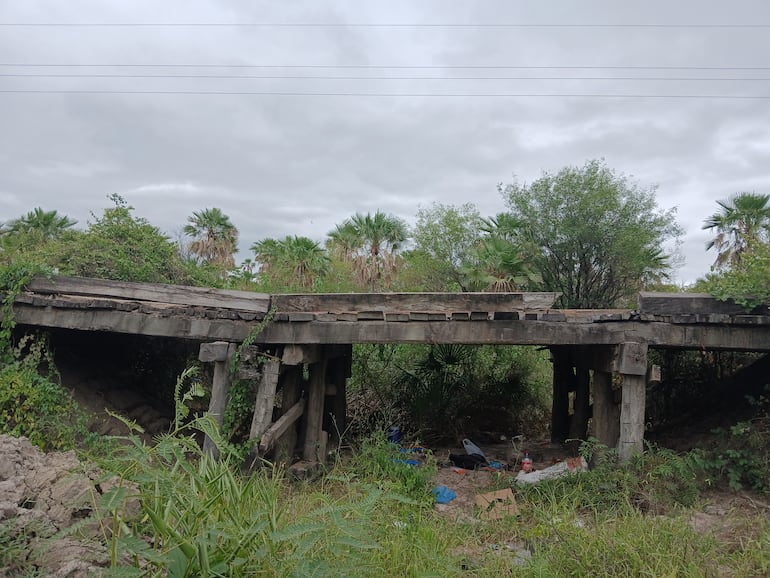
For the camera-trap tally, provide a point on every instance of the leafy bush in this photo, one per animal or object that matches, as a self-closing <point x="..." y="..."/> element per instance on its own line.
<point x="747" y="283"/>
<point x="35" y="405"/>
<point x="445" y="391"/>
<point x="741" y="455"/>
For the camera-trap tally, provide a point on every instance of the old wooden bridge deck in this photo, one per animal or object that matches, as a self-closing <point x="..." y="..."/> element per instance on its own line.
<point x="317" y="332"/>
<point x="661" y="320"/>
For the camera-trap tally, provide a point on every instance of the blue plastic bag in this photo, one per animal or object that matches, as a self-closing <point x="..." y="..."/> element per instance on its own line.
<point x="443" y="494"/>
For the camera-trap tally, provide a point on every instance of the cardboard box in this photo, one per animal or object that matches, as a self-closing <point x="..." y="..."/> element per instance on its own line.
<point x="496" y="505"/>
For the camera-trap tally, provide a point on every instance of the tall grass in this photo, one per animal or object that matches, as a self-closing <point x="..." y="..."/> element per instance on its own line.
<point x="372" y="515"/>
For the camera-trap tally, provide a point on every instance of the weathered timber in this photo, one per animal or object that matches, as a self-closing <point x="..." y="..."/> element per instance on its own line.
<point x="265" y="401"/>
<point x="220" y="387"/>
<point x="727" y="337"/>
<point x="685" y="303"/>
<point x="299" y="354"/>
<point x="338" y="372"/>
<point x="313" y="416"/>
<point x="216" y="351"/>
<point x="413" y="302"/>
<point x="176" y="294"/>
<point x="281" y="425"/>
<point x="581" y="407"/>
<point x="632" y="359"/>
<point x="606" y="413"/>
<point x="631" y="439"/>
<point x="290" y="379"/>
<point x="563" y="383"/>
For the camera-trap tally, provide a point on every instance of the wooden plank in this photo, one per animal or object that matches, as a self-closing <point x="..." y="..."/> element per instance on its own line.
<point x="178" y="294"/>
<point x="417" y="302"/>
<point x="684" y="303"/>
<point x="281" y="425"/>
<point x="397" y="317"/>
<point x="263" y="406"/>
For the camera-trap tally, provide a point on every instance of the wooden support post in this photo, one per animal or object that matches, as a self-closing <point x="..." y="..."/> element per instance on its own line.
<point x="563" y="379"/>
<point x="578" y="427"/>
<point x="292" y="390"/>
<point x="339" y="370"/>
<point x="606" y="415"/>
<point x="263" y="407"/>
<point x="314" y="410"/>
<point x="220" y="352"/>
<point x="632" y="364"/>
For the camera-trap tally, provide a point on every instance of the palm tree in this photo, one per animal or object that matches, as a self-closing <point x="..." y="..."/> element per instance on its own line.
<point x="215" y="238"/>
<point x="742" y="222"/>
<point x="372" y="243"/>
<point x="47" y="224"/>
<point x="292" y="261"/>
<point x="497" y="264"/>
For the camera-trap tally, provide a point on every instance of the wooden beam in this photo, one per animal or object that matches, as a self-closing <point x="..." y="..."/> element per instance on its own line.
<point x="313" y="416"/>
<point x="216" y="351"/>
<point x="724" y="337"/>
<point x="606" y="413"/>
<point x="220" y="389"/>
<point x="300" y="354"/>
<point x="686" y="303"/>
<point x="563" y="382"/>
<point x="290" y="380"/>
<point x="413" y="302"/>
<point x="282" y="424"/>
<point x="263" y="406"/>
<point x="631" y="440"/>
<point x="161" y="293"/>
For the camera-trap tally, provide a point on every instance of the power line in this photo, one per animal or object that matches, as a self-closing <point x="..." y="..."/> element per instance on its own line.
<point x="326" y="77"/>
<point x="399" y="95"/>
<point x="383" y="66"/>
<point x="737" y="25"/>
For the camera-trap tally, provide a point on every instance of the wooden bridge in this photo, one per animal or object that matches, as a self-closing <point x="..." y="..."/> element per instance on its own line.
<point x="316" y="332"/>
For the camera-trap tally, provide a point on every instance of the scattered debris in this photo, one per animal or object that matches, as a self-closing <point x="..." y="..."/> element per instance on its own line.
<point x="569" y="466"/>
<point x="443" y="494"/>
<point x="496" y="505"/>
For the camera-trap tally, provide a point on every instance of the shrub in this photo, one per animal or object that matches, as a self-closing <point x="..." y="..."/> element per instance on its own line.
<point x="35" y="405"/>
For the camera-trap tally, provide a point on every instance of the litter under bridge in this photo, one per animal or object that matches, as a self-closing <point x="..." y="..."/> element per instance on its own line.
<point x="312" y="334"/>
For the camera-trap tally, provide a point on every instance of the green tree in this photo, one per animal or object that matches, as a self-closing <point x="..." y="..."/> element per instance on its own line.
<point x="372" y="243"/>
<point x="443" y="237"/>
<point x="215" y="238"/>
<point x="46" y="224"/>
<point x="117" y="245"/>
<point x="598" y="236"/>
<point x="294" y="262"/>
<point x="742" y="222"/>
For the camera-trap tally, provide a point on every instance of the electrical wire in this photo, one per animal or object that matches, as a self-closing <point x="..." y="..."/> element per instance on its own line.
<point x="326" y="77"/>
<point x="397" y="95"/>
<point x="620" y="25"/>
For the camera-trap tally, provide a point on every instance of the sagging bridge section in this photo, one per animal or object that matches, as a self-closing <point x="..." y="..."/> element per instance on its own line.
<point x="314" y="333"/>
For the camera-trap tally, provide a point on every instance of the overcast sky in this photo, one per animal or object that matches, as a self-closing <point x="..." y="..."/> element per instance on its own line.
<point x="287" y="164"/>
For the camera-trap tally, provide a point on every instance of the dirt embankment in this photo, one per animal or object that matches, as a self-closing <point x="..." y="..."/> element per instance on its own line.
<point x="48" y="521"/>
